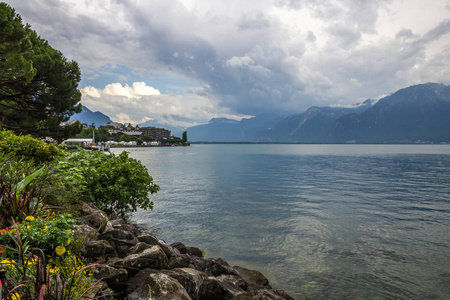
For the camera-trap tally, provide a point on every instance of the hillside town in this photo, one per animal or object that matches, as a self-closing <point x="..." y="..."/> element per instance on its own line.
<point x="126" y="135"/>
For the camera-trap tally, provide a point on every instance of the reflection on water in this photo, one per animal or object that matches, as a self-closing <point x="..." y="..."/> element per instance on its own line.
<point x="324" y="221"/>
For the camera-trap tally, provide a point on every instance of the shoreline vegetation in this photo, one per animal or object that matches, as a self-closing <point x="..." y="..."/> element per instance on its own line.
<point x="65" y="233"/>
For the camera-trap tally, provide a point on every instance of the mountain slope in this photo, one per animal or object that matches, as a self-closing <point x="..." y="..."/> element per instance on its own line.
<point x="418" y="113"/>
<point x="89" y="117"/>
<point x="311" y="126"/>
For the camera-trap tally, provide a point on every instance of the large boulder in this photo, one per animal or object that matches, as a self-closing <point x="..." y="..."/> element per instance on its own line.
<point x="189" y="278"/>
<point x="153" y="258"/>
<point x="116" y="279"/>
<point x="98" y="250"/>
<point x="120" y="239"/>
<point x="264" y="294"/>
<point x="181" y="261"/>
<point x="254" y="278"/>
<point x="92" y="216"/>
<point x="159" y="286"/>
<point x="214" y="267"/>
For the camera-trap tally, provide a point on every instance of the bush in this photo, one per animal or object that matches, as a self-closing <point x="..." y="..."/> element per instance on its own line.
<point x="111" y="182"/>
<point x="22" y="189"/>
<point x="28" y="148"/>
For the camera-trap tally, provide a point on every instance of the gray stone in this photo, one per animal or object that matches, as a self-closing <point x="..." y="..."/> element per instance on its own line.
<point x="98" y="250"/>
<point x="194" y="251"/>
<point x="159" y="286"/>
<point x="189" y="278"/>
<point x="92" y="216"/>
<point x="139" y="247"/>
<point x="153" y="258"/>
<point x="148" y="238"/>
<point x="180" y="246"/>
<point x="264" y="294"/>
<point x="120" y="239"/>
<point x="252" y="277"/>
<point x="116" y="279"/>
<point x="181" y="261"/>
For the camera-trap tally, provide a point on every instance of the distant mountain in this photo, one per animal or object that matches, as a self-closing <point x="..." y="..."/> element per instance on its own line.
<point x="418" y="113"/>
<point x="226" y="130"/>
<point x="89" y="117"/>
<point x="311" y="126"/>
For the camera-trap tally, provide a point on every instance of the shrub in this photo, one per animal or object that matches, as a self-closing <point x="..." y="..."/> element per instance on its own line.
<point x="28" y="148"/>
<point x="111" y="182"/>
<point x="22" y="189"/>
<point x="30" y="276"/>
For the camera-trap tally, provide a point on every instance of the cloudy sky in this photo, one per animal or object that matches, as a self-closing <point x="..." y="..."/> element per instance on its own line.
<point x="183" y="62"/>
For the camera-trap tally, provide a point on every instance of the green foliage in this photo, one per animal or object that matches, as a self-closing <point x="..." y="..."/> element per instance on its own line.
<point x="146" y="138"/>
<point x="101" y="134"/>
<point x="27" y="148"/>
<point x="127" y="138"/>
<point x="38" y="85"/>
<point x="111" y="182"/>
<point x="22" y="190"/>
<point x="30" y="276"/>
<point x="47" y="231"/>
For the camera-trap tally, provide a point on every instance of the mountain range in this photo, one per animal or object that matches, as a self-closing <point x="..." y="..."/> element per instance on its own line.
<point x="416" y="114"/>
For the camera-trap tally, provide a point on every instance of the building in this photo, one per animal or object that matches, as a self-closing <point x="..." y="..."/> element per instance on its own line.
<point x="157" y="134"/>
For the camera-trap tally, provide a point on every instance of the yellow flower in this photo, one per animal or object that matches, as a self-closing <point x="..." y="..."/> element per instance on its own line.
<point x="16" y="296"/>
<point x="60" y="250"/>
<point x="46" y="228"/>
<point x="29" y="219"/>
<point x="7" y="263"/>
<point x="68" y="242"/>
<point x="53" y="270"/>
<point x="31" y="261"/>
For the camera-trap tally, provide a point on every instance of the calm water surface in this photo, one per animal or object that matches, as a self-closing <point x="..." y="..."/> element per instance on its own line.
<point x="321" y="221"/>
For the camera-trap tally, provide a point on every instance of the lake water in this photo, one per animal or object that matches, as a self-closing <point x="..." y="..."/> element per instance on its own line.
<point x="320" y="221"/>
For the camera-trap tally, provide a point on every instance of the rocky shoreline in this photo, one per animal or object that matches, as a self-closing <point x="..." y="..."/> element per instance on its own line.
<point x="137" y="265"/>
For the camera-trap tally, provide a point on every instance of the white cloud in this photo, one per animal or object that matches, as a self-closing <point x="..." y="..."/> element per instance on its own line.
<point x="140" y="103"/>
<point x="248" y="57"/>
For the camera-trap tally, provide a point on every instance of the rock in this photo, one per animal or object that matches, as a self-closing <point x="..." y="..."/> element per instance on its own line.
<point x="148" y="238"/>
<point x="153" y="258"/>
<point x="170" y="251"/>
<point x="194" y="251"/>
<point x="92" y="216"/>
<point x="211" y="289"/>
<point x="120" y="239"/>
<point x="139" y="247"/>
<point x="116" y="279"/>
<point x="98" y="250"/>
<point x="189" y="278"/>
<point x="159" y="286"/>
<point x="85" y="232"/>
<point x="264" y="294"/>
<point x="181" y="261"/>
<point x="180" y="246"/>
<point x="213" y="266"/>
<point x="253" y="277"/>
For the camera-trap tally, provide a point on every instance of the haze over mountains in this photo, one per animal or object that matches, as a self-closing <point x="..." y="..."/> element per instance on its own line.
<point x="417" y="114"/>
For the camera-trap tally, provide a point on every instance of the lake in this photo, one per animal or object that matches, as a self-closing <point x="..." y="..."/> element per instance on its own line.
<point x="320" y="221"/>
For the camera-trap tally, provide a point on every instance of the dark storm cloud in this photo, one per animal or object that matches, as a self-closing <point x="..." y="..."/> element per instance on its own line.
<point x="253" y="57"/>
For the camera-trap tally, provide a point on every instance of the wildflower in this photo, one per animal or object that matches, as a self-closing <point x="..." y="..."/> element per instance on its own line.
<point x="7" y="162"/>
<point x="16" y="296"/>
<point x="31" y="261"/>
<point x="68" y="242"/>
<point x="2" y="231"/>
<point x="53" y="270"/>
<point x="29" y="219"/>
<point x="52" y="171"/>
<point x="45" y="229"/>
<point x="2" y="249"/>
<point x="7" y="263"/>
<point x="60" y="250"/>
